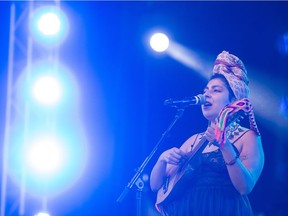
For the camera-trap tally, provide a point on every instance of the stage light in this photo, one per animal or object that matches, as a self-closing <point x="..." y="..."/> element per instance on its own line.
<point x="46" y="85"/>
<point x="49" y="26"/>
<point x="48" y="141"/>
<point x="45" y="156"/>
<point x="159" y="42"/>
<point x="47" y="90"/>
<point x="42" y="214"/>
<point x="53" y="161"/>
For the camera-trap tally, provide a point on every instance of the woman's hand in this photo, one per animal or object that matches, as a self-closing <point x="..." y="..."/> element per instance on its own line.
<point x="174" y="156"/>
<point x="210" y="133"/>
<point x="212" y="137"/>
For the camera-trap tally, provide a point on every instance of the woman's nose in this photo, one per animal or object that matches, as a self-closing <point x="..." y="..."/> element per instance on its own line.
<point x="207" y="94"/>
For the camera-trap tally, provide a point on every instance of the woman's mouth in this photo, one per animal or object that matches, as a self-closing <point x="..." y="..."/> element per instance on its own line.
<point x="207" y="104"/>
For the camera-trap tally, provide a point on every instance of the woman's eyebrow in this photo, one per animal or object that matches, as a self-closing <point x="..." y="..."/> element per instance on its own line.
<point x="217" y="86"/>
<point x="213" y="86"/>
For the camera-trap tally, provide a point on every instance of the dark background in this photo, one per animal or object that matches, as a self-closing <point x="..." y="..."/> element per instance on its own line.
<point x="123" y="85"/>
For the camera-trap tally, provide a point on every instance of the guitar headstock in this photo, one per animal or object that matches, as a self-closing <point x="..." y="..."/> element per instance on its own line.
<point x="234" y="112"/>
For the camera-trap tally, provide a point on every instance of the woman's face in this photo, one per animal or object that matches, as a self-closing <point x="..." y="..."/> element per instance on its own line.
<point x="217" y="96"/>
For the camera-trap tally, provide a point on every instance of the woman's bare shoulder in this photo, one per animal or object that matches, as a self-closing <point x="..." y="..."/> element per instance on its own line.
<point x="246" y="138"/>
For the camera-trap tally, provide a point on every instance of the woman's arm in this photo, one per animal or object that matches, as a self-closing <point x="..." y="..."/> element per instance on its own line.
<point x="164" y="163"/>
<point x="246" y="170"/>
<point x="167" y="161"/>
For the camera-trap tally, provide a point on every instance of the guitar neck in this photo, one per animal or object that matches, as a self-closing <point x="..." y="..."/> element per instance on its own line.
<point x="198" y="149"/>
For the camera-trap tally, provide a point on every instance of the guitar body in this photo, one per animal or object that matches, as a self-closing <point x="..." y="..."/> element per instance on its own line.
<point x="175" y="181"/>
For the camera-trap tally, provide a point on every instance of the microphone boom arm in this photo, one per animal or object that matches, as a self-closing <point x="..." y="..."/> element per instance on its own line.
<point x="135" y="178"/>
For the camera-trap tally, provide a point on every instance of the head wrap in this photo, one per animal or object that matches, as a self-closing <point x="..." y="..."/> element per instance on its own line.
<point x="233" y="69"/>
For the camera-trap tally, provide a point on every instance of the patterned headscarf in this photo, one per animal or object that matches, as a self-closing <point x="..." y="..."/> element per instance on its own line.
<point x="233" y="69"/>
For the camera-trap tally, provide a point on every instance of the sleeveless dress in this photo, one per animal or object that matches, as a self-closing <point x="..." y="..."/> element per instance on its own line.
<point x="210" y="192"/>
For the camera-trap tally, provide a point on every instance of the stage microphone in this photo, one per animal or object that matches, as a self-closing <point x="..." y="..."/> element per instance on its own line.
<point x="196" y="100"/>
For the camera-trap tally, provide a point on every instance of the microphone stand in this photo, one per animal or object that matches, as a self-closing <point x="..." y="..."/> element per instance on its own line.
<point x="136" y="180"/>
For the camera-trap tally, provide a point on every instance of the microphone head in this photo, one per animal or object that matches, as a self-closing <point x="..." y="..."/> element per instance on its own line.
<point x="201" y="99"/>
<point x="168" y="102"/>
<point x="196" y="100"/>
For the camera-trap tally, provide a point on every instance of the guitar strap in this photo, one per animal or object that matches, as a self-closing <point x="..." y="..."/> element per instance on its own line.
<point x="193" y="160"/>
<point x="195" y="152"/>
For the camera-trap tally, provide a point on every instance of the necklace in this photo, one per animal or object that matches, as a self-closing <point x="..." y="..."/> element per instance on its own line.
<point x="233" y="130"/>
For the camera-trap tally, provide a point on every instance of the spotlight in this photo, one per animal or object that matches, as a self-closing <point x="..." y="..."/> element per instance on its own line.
<point x="159" y="42"/>
<point x="46" y="85"/>
<point x="45" y="156"/>
<point x="47" y="90"/>
<point x="49" y="26"/>
<point x="42" y="214"/>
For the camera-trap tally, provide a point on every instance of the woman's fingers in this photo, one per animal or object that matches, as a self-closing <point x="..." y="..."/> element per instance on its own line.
<point x="210" y="132"/>
<point x="174" y="156"/>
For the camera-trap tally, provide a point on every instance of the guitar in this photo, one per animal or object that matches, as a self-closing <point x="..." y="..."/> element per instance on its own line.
<point x="174" y="179"/>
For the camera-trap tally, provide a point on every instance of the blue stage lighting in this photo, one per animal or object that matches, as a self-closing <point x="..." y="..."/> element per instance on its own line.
<point x="42" y="214"/>
<point x="159" y="42"/>
<point x="47" y="141"/>
<point x="46" y="84"/>
<point x="45" y="156"/>
<point x="52" y="162"/>
<point x="49" y="26"/>
<point x="47" y="90"/>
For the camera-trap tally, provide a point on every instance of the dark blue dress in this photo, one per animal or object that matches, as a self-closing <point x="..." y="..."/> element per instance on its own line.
<point x="209" y="192"/>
